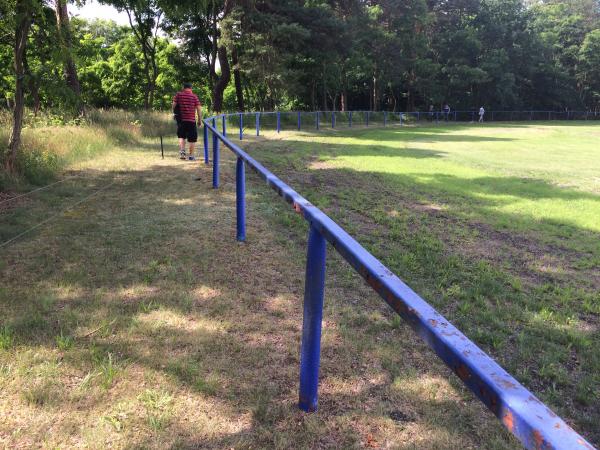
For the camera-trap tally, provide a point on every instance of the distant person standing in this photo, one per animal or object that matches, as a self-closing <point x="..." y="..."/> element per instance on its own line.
<point x="431" y="113"/>
<point x="446" y="110"/>
<point x="481" y="114"/>
<point x="185" y="106"/>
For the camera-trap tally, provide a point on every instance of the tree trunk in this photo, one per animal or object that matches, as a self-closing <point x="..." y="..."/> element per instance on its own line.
<point x="343" y="101"/>
<point x="237" y="78"/>
<point x="222" y="82"/>
<point x="66" y="42"/>
<point x="23" y="23"/>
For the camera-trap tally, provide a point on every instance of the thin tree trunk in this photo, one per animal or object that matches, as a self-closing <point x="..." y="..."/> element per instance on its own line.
<point x="23" y="9"/>
<point x="237" y="78"/>
<point x="66" y="42"/>
<point x="223" y="80"/>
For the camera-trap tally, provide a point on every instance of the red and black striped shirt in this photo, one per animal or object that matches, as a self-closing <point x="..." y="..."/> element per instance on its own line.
<point x="187" y="102"/>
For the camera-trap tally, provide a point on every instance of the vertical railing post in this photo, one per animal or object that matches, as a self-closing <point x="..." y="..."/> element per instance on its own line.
<point x="205" y="135"/>
<point x="549" y="113"/>
<point x="367" y="118"/>
<point x="400" y="118"/>
<point x="224" y="119"/>
<point x="241" y="126"/>
<point x="299" y="120"/>
<point x="350" y="120"/>
<point x="310" y="351"/>
<point x="257" y="121"/>
<point x="278" y="121"/>
<point x="240" y="199"/>
<point x="418" y="116"/>
<point x="437" y="117"/>
<point x="332" y="119"/>
<point x="385" y="118"/>
<point x="215" y="155"/>
<point x="317" y="119"/>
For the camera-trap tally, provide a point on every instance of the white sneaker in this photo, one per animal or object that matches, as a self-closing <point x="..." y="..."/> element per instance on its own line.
<point x="182" y="154"/>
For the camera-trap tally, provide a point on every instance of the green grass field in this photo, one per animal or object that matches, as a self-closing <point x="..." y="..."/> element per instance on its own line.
<point x="136" y="321"/>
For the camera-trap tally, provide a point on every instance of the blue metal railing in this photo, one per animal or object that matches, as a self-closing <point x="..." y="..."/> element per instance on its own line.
<point x="525" y="416"/>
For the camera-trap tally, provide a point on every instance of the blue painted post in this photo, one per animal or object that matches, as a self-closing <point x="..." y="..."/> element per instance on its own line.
<point x="332" y="119"/>
<point x="241" y="126"/>
<point x="257" y="119"/>
<point x="299" y="121"/>
<point x="549" y="115"/>
<point x="310" y="352"/>
<point x="350" y="120"/>
<point x="215" y="156"/>
<point x="385" y="118"/>
<point x="240" y="199"/>
<point x="367" y="118"/>
<point x="317" y="119"/>
<point x="400" y="118"/>
<point x="278" y="121"/>
<point x="418" y="116"/>
<point x="437" y="118"/>
<point x="205" y="135"/>
<point x="224" y="125"/>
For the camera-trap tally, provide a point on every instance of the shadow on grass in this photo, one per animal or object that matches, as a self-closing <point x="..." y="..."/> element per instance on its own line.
<point x="137" y="255"/>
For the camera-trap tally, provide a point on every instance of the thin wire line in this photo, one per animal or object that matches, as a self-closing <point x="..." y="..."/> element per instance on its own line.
<point x="35" y="190"/>
<point x="56" y="215"/>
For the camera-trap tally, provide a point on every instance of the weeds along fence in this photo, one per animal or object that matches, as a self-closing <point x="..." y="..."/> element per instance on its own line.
<point x="525" y="416"/>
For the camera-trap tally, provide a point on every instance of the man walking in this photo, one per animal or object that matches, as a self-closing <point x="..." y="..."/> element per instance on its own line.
<point x="185" y="105"/>
<point x="481" y="114"/>
<point x="446" y="110"/>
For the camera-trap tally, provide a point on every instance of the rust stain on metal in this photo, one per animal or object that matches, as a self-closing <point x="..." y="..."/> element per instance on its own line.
<point x="508" y="421"/>
<point x="297" y="208"/>
<point x="557" y="425"/>
<point x="538" y="439"/>
<point x="463" y="372"/>
<point x="585" y="444"/>
<point x="433" y="322"/>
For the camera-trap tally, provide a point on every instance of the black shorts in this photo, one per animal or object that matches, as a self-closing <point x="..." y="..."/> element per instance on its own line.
<point x="187" y="130"/>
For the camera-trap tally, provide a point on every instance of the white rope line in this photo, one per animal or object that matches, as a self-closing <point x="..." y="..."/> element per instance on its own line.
<point x="35" y="190"/>
<point x="56" y="215"/>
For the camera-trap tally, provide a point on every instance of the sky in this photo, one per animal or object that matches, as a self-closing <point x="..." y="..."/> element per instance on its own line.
<point x="92" y="9"/>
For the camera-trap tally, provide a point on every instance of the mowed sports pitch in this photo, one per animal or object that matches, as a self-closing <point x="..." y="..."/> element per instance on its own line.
<point x="137" y="320"/>
<point x="496" y="225"/>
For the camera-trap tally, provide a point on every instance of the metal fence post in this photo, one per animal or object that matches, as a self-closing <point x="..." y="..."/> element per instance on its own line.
<point x="205" y="135"/>
<point x="299" y="120"/>
<point x="257" y="120"/>
<point x="224" y="125"/>
<point x="241" y="127"/>
<point x="385" y="118"/>
<point x="317" y="119"/>
<point x="367" y="118"/>
<point x="278" y="121"/>
<point x="418" y="116"/>
<point x="400" y="118"/>
<point x="455" y="116"/>
<point x="332" y="119"/>
<point x="240" y="199"/>
<point x="310" y="352"/>
<point x="350" y="120"/>
<point x="215" y="156"/>
<point x="437" y="118"/>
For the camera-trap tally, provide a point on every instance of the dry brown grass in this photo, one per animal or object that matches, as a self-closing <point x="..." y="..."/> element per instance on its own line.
<point x="139" y="322"/>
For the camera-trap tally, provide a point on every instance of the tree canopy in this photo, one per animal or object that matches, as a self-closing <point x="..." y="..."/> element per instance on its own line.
<point x="315" y="54"/>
